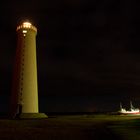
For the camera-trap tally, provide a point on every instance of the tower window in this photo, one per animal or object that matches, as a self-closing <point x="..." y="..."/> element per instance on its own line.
<point x="24" y="31"/>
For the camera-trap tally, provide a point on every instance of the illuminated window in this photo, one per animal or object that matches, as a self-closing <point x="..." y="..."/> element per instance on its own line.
<point x="24" y="31"/>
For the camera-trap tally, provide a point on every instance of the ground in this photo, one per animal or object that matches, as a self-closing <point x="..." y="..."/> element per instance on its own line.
<point x="72" y="127"/>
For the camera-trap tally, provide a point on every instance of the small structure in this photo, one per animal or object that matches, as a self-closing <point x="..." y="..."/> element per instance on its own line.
<point x="131" y="111"/>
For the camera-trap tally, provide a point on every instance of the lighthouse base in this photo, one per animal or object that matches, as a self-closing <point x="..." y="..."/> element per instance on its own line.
<point x="31" y="116"/>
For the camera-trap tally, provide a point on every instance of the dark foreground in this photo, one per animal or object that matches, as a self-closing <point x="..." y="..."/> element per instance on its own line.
<point x="82" y="127"/>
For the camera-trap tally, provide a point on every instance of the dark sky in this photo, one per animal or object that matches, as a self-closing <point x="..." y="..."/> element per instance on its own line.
<point x="88" y="54"/>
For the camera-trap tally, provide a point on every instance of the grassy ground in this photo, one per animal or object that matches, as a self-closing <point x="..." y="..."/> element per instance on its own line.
<point x="82" y="127"/>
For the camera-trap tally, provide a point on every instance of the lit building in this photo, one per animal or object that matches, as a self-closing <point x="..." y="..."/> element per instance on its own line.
<point x="24" y="102"/>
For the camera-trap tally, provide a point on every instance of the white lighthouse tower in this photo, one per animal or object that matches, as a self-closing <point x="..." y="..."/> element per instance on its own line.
<point x="25" y="87"/>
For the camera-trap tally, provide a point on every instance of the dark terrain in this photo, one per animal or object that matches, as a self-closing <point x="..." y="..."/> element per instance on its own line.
<point x="73" y="127"/>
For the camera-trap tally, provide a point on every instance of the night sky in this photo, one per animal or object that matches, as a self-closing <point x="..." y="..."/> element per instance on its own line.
<point x="88" y="54"/>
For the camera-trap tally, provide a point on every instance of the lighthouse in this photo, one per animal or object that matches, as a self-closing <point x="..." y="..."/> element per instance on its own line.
<point x="24" y="99"/>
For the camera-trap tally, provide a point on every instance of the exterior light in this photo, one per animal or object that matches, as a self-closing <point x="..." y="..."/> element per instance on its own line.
<point x="27" y="24"/>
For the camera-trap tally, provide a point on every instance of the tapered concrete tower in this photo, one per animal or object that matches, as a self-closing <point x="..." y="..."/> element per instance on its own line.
<point x="25" y="88"/>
